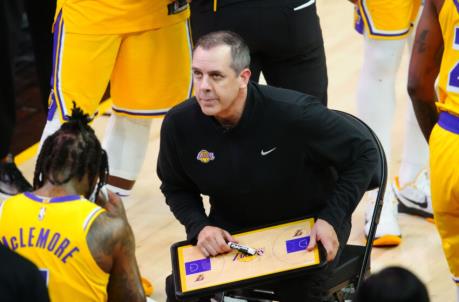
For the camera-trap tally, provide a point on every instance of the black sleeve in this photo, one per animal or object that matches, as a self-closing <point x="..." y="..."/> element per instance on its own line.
<point x="37" y="291"/>
<point x="20" y="280"/>
<point x="182" y="195"/>
<point x="334" y="141"/>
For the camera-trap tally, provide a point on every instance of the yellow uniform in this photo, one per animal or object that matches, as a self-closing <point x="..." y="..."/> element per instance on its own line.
<point x="52" y="234"/>
<point x="444" y="140"/>
<point x="144" y="52"/>
<point x="116" y="16"/>
<point x="386" y="19"/>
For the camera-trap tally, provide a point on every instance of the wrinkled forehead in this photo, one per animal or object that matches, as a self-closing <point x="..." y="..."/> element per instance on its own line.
<point x="215" y="58"/>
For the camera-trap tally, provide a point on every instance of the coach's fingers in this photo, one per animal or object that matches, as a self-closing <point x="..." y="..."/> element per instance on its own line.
<point x="204" y="251"/>
<point x="312" y="240"/>
<point x="229" y="238"/>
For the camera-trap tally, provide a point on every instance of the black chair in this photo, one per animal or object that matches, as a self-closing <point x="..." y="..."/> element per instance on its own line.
<point x="354" y="263"/>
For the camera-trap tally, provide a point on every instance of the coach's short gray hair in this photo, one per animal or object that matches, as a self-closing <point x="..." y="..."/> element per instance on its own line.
<point x="240" y="53"/>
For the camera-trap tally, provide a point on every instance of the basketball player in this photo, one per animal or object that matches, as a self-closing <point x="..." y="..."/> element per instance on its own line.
<point x="436" y="53"/>
<point x="143" y="48"/>
<point x="387" y="26"/>
<point x="85" y="252"/>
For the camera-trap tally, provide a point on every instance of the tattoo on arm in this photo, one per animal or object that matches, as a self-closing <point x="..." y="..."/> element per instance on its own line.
<point x="125" y="283"/>
<point x="101" y="239"/>
<point x="421" y="42"/>
<point x="111" y="242"/>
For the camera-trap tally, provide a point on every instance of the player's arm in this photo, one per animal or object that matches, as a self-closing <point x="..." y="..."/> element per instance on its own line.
<point x="111" y="242"/>
<point x="424" y="67"/>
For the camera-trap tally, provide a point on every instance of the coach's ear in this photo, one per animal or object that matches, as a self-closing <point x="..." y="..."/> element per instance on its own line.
<point x="244" y="76"/>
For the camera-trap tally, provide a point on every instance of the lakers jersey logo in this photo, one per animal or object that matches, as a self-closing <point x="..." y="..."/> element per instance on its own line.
<point x="205" y="156"/>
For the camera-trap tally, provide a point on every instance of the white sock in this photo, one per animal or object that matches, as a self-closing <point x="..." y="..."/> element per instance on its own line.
<point x="457" y="293"/>
<point x="126" y="142"/>
<point x="376" y="89"/>
<point x="415" y="154"/>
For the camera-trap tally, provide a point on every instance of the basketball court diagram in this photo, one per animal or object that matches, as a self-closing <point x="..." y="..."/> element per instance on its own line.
<point x="279" y="248"/>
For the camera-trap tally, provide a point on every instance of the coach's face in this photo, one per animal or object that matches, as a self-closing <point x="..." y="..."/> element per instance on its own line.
<point x="220" y="91"/>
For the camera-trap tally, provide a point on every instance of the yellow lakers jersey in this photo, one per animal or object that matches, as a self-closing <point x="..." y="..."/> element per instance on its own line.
<point x="448" y="81"/>
<point x="52" y="234"/>
<point x="116" y="16"/>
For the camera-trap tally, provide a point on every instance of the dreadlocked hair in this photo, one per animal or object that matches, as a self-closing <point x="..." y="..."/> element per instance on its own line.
<point x="73" y="151"/>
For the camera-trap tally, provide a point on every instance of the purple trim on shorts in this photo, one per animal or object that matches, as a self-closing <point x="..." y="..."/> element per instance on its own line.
<point x="456" y="3"/>
<point x="197" y="266"/>
<point x="379" y="34"/>
<point x="359" y="26"/>
<point x="190" y="43"/>
<point x="449" y="122"/>
<point x="54" y="199"/>
<point x="58" y="92"/>
<point x="52" y="108"/>
<point x="55" y="39"/>
<point x="140" y="113"/>
<point x="297" y="244"/>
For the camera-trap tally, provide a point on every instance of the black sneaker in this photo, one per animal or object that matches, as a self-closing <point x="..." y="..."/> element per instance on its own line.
<point x="12" y="181"/>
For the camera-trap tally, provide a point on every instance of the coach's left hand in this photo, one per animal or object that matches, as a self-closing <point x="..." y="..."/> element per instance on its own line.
<point x="324" y="232"/>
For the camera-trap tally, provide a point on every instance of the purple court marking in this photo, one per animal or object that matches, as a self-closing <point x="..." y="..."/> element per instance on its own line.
<point x="197" y="266"/>
<point x="298" y="244"/>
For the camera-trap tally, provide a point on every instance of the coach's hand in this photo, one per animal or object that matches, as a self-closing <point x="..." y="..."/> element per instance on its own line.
<point x="213" y="241"/>
<point x="324" y="232"/>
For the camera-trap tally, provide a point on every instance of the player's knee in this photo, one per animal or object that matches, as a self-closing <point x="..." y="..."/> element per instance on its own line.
<point x="384" y="56"/>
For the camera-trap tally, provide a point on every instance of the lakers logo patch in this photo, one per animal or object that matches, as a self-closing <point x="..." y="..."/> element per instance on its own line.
<point x="205" y="156"/>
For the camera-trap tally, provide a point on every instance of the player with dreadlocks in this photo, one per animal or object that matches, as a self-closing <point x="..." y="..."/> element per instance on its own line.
<point x="85" y="250"/>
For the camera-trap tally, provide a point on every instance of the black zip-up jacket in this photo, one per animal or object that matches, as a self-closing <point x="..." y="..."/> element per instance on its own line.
<point x="288" y="157"/>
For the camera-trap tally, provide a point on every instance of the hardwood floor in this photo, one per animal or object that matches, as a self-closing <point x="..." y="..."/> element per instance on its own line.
<point x="420" y="251"/>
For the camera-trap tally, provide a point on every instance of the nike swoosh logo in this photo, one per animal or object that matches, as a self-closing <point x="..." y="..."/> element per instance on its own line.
<point x="263" y="153"/>
<point x="423" y="204"/>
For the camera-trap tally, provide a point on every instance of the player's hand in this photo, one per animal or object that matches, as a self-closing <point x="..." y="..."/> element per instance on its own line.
<point x="213" y="241"/>
<point x="324" y="232"/>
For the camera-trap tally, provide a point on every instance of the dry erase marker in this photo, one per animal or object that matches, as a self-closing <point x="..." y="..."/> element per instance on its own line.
<point x="243" y="249"/>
